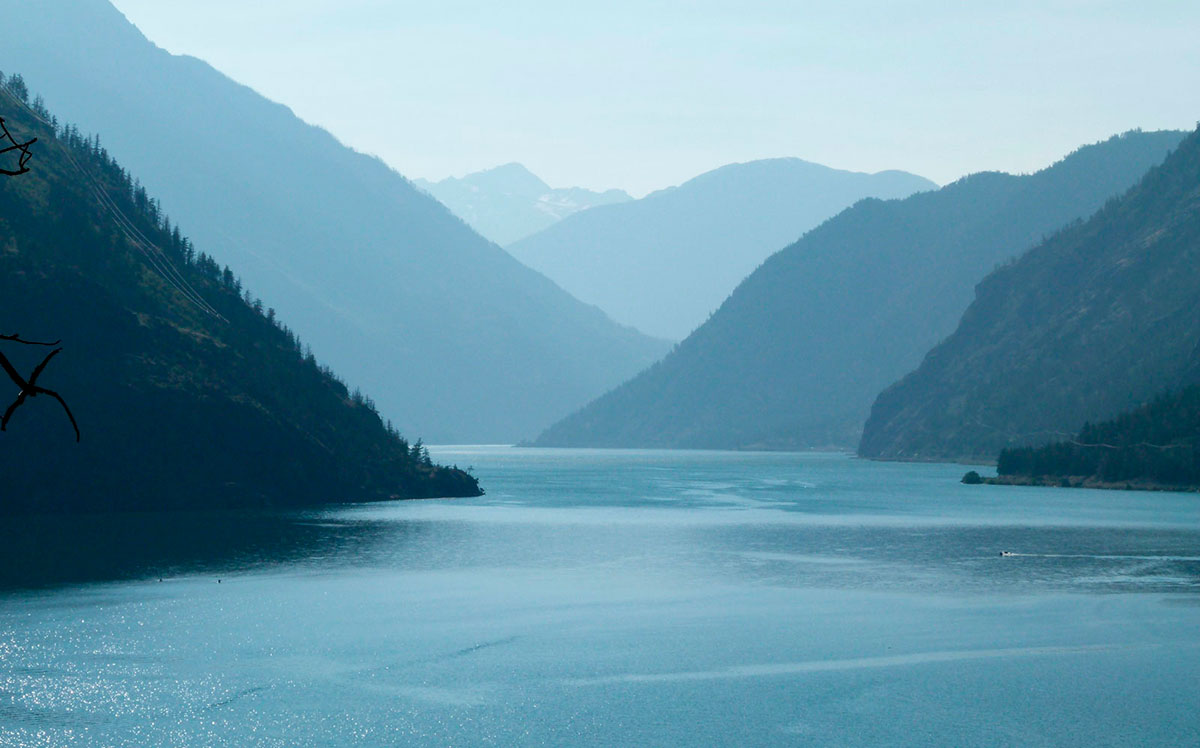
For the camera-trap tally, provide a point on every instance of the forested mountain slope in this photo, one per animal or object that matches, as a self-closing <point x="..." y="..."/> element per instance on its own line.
<point x="1095" y="321"/>
<point x="794" y="358"/>
<point x="187" y="392"/>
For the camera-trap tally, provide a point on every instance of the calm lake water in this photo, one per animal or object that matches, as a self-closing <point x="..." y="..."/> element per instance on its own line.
<point x="619" y="598"/>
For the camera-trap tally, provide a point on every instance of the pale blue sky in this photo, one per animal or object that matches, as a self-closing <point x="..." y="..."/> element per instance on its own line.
<point x="641" y="95"/>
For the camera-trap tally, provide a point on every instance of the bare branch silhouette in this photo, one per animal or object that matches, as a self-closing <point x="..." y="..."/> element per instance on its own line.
<point x="29" y="388"/>
<point x="26" y="388"/>
<point x="23" y="159"/>
<point x="16" y="338"/>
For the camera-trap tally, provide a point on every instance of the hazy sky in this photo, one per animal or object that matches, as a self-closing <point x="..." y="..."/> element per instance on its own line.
<point x="645" y="94"/>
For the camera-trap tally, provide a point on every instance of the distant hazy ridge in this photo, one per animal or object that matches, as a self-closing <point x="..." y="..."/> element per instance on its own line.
<point x="509" y="202"/>
<point x="794" y="358"/>
<point x="663" y="263"/>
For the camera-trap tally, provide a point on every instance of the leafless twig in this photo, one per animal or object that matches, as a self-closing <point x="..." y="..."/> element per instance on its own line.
<point x="23" y="159"/>
<point x="29" y="387"/>
<point x="16" y="338"/>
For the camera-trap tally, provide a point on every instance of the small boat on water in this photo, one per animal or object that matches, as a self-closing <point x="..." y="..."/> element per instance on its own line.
<point x="1007" y="553"/>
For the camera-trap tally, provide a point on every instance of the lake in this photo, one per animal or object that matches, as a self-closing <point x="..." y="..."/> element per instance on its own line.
<point x="618" y="598"/>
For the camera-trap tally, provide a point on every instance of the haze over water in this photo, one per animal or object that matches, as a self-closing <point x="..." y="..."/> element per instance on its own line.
<point x="619" y="598"/>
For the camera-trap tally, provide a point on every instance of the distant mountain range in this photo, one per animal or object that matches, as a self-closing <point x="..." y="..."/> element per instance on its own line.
<point x="663" y="263"/>
<point x="1097" y="320"/>
<point x="795" y="357"/>
<point x="187" y="394"/>
<point x="509" y="202"/>
<point x="455" y="339"/>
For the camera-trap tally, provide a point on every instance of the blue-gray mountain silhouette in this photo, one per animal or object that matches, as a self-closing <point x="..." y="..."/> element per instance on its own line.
<point x="664" y="262"/>
<point x="794" y="358"/>
<point x="455" y="339"/>
<point x="1099" y="319"/>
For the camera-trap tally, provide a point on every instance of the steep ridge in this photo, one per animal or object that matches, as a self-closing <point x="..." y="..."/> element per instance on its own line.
<point x="796" y="355"/>
<point x="1095" y="321"/>
<point x="455" y="338"/>
<point x="509" y="202"/>
<point x="665" y="262"/>
<point x="188" y="395"/>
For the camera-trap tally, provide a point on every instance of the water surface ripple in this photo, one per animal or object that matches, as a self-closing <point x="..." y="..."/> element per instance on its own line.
<point x="618" y="598"/>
